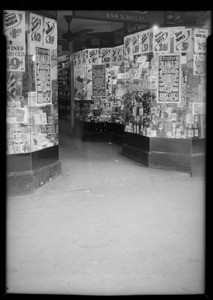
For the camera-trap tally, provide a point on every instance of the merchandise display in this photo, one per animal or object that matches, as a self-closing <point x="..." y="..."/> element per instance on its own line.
<point x="166" y="87"/>
<point x="32" y="87"/>
<point x="154" y="84"/>
<point x="98" y="81"/>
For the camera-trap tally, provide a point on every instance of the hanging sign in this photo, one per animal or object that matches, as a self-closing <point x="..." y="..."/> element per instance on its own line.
<point x="120" y="54"/>
<point x="43" y="76"/>
<point x="36" y="29"/>
<point x="182" y="39"/>
<point x="168" y="79"/>
<point x="99" y="80"/>
<point x="145" y="41"/>
<point x="200" y="37"/>
<point x="161" y="40"/>
<point x="93" y="55"/>
<point x="14" y="29"/>
<point x="50" y="33"/>
<point x="199" y="64"/>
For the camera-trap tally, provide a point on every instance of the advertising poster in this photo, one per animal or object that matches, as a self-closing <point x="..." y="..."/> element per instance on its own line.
<point x="200" y="37"/>
<point x="168" y="79"/>
<point x="145" y="41"/>
<point x="182" y="40"/>
<point x="161" y="40"/>
<point x="136" y="44"/>
<point x="36" y="30"/>
<point x="128" y="47"/>
<point x="199" y="64"/>
<point x="43" y="76"/>
<point x="106" y="56"/>
<point x="99" y="80"/>
<point x="50" y="33"/>
<point x="17" y="115"/>
<point x="14" y="29"/>
<point x="93" y="56"/>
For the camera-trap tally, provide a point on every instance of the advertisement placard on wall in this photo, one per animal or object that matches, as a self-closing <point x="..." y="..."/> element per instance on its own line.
<point x="43" y="76"/>
<point x="14" y="29"/>
<point x="168" y="90"/>
<point x="182" y="39"/>
<point x="17" y="115"/>
<point x="36" y="31"/>
<point x="200" y="37"/>
<point x="161" y="40"/>
<point x="50" y="33"/>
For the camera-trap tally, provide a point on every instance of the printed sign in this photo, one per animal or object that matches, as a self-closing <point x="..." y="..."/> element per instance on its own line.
<point x="93" y="55"/>
<point x="106" y="55"/>
<point x="168" y="79"/>
<point x="50" y="33"/>
<point x="182" y="40"/>
<point x="36" y="29"/>
<point x="17" y="115"/>
<point x="43" y="76"/>
<point x="14" y="29"/>
<point x="136" y="44"/>
<point x="145" y="41"/>
<point x="128" y="46"/>
<point x="99" y="80"/>
<point x="200" y="37"/>
<point x="161" y="40"/>
<point x="199" y="64"/>
<point x="120" y="53"/>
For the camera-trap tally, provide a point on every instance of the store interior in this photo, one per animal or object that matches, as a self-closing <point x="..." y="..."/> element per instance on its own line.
<point x="136" y="79"/>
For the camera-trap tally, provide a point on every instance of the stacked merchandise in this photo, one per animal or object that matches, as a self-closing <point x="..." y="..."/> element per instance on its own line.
<point x="32" y="89"/>
<point x="165" y="82"/>
<point x="98" y="82"/>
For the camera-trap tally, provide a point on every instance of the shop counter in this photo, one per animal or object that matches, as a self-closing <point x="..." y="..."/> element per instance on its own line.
<point x="186" y="155"/>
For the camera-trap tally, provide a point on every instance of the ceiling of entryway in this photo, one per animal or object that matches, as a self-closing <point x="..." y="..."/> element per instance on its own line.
<point x="79" y="24"/>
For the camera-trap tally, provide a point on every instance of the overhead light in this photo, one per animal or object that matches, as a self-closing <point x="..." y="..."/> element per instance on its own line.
<point x="155" y="27"/>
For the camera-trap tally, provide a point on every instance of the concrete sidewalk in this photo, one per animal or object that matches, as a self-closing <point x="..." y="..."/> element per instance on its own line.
<point x="107" y="225"/>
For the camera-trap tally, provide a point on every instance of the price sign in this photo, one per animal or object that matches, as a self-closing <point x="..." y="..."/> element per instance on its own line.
<point x="182" y="40"/>
<point x="200" y="37"/>
<point x="161" y="40"/>
<point x="36" y="29"/>
<point x="14" y="28"/>
<point x="136" y="43"/>
<point x="145" y="41"/>
<point x="50" y="33"/>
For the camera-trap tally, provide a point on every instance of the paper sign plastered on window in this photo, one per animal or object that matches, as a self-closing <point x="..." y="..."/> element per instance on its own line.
<point x="36" y="29"/>
<point x="128" y="46"/>
<point x="136" y="44"/>
<point x="14" y="29"/>
<point x="200" y="39"/>
<point x="182" y="39"/>
<point x="50" y="33"/>
<point x="145" y="41"/>
<point x="161" y="40"/>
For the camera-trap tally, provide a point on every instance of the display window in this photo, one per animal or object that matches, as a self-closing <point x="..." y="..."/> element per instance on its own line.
<point x="32" y="87"/>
